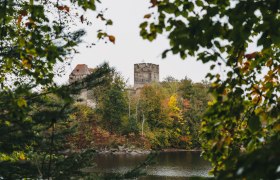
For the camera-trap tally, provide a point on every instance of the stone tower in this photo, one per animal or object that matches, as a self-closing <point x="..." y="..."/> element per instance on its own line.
<point x="145" y="73"/>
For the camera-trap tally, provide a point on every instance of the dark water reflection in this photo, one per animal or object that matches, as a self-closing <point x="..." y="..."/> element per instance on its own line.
<point x="168" y="164"/>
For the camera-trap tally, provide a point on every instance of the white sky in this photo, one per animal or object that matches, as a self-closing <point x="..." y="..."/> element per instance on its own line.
<point x="130" y="48"/>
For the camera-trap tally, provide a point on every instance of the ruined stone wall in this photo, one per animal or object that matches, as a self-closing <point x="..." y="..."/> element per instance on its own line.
<point x="81" y="71"/>
<point x="145" y="73"/>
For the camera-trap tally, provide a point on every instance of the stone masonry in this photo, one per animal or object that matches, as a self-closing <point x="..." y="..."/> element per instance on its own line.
<point x="80" y="72"/>
<point x="145" y="73"/>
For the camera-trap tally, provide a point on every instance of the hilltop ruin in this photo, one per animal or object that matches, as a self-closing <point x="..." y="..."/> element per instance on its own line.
<point x="145" y="73"/>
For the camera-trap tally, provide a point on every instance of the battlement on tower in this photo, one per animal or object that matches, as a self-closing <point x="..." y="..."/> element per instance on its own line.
<point x="145" y="73"/>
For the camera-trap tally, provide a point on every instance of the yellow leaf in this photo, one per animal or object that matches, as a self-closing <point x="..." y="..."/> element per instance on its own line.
<point x="228" y="140"/>
<point x="257" y="100"/>
<point x="211" y="103"/>
<point x="21" y="102"/>
<point x="276" y="127"/>
<point x="269" y="63"/>
<point x="21" y="156"/>
<point x="7" y="123"/>
<point x="26" y="64"/>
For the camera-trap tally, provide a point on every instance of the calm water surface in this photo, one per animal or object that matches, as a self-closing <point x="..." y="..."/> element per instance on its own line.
<point x="169" y="165"/>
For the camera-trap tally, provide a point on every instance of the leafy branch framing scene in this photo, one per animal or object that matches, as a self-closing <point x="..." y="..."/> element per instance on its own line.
<point x="50" y="130"/>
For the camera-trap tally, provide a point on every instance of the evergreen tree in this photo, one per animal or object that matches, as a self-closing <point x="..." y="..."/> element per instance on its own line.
<point x="114" y="104"/>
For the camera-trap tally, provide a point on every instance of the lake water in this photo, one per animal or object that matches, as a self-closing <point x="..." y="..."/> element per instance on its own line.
<point x="168" y="165"/>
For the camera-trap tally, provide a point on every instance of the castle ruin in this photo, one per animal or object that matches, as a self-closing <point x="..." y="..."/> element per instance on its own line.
<point x="81" y="71"/>
<point x="145" y="73"/>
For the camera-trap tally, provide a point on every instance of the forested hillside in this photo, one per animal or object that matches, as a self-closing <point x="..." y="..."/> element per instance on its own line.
<point x="159" y="115"/>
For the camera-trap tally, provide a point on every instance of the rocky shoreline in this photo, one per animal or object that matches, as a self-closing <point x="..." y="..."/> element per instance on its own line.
<point x="134" y="150"/>
<point x="123" y="150"/>
<point x="180" y="150"/>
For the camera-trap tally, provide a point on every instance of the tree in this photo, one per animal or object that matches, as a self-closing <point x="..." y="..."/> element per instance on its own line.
<point x="150" y="99"/>
<point x="34" y="128"/>
<point x="186" y="88"/>
<point x="195" y="99"/>
<point x="34" y="36"/>
<point x="114" y="103"/>
<point x="180" y="136"/>
<point x="243" y="118"/>
<point x="170" y="84"/>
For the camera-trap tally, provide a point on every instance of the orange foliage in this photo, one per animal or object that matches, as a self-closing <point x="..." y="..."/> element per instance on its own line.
<point x="99" y="138"/>
<point x="186" y="103"/>
<point x="185" y="138"/>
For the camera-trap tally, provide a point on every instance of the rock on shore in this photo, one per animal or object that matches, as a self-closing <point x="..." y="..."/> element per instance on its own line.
<point x="123" y="150"/>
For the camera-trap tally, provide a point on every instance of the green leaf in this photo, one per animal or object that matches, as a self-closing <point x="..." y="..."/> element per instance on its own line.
<point x="109" y="22"/>
<point x="144" y="25"/>
<point x="199" y="3"/>
<point x="254" y="123"/>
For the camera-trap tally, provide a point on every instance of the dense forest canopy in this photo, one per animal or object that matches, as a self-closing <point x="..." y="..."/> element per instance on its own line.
<point x="160" y="115"/>
<point x="240" y="129"/>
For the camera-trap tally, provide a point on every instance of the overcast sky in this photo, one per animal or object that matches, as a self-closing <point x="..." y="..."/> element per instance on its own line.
<point x="130" y="48"/>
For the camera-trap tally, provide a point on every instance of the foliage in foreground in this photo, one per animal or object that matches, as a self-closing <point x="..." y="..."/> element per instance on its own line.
<point x="34" y="127"/>
<point x="35" y="36"/>
<point x="243" y="119"/>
